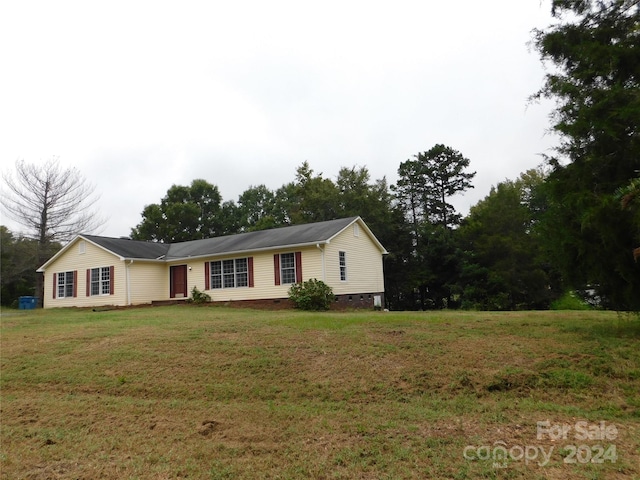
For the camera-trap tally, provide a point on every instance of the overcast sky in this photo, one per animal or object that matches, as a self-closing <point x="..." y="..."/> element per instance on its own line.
<point x="141" y="95"/>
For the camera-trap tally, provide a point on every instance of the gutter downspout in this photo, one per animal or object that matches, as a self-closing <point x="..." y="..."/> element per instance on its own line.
<point x="322" y="261"/>
<point x="128" y="282"/>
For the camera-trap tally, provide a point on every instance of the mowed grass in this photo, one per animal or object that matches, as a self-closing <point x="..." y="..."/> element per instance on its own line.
<point x="214" y="393"/>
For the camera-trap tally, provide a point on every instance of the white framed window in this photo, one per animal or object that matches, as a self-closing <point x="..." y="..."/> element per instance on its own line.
<point x="233" y="273"/>
<point x="343" y="266"/>
<point x="356" y="230"/>
<point x="65" y="284"/>
<point x="82" y="247"/>
<point x="101" y="281"/>
<point x="287" y="268"/>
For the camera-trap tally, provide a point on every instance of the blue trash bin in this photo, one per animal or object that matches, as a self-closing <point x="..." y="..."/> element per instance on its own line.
<point x="27" y="303"/>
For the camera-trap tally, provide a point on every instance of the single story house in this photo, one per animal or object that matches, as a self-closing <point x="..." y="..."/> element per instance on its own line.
<point x="258" y="267"/>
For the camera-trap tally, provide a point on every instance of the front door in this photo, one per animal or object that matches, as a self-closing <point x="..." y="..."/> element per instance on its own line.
<point x="178" y="288"/>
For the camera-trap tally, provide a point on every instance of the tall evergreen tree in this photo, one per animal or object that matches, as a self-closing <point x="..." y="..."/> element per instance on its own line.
<point x="423" y="191"/>
<point x="595" y="54"/>
<point x="444" y="170"/>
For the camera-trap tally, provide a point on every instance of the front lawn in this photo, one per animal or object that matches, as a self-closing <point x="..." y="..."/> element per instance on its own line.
<point x="212" y="392"/>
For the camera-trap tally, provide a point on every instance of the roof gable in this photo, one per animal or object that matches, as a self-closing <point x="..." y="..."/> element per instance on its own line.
<point x="367" y="231"/>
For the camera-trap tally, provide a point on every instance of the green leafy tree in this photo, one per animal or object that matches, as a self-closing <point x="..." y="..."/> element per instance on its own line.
<point x="438" y="264"/>
<point x="260" y="208"/>
<point x="396" y="236"/>
<point x="594" y="51"/>
<point x="358" y="195"/>
<point x="505" y="266"/>
<point x="315" y="198"/>
<point x="285" y="204"/>
<point x="229" y="219"/>
<point x="257" y="208"/>
<point x="19" y="260"/>
<point x="355" y="191"/>
<point x="185" y="213"/>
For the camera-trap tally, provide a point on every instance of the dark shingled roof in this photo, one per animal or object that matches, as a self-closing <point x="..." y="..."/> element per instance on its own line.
<point x="295" y="235"/>
<point x="128" y="248"/>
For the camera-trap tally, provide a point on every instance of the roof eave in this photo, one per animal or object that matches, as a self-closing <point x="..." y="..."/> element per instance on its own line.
<point x="60" y="252"/>
<point x="247" y="251"/>
<point x="146" y="260"/>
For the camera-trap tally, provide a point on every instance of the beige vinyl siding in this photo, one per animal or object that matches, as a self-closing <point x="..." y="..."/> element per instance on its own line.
<point x="92" y="257"/>
<point x="263" y="275"/>
<point x="312" y="263"/>
<point x="364" y="269"/>
<point x="148" y="281"/>
<point x="364" y="263"/>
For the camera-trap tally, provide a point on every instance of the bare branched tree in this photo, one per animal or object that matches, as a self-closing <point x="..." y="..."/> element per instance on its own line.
<point x="52" y="203"/>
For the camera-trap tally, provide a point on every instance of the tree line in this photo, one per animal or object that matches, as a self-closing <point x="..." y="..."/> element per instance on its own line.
<point x="571" y="225"/>
<point x="488" y="260"/>
<point x="495" y="258"/>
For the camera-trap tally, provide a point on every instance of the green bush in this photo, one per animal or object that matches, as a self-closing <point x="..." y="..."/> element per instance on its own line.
<point x="199" y="297"/>
<point x="570" y="301"/>
<point x="311" y="295"/>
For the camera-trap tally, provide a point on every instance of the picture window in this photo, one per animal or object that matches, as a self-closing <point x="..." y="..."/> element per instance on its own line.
<point x="232" y="273"/>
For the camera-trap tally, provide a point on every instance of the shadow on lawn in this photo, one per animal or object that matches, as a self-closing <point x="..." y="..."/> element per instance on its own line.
<point x="626" y="325"/>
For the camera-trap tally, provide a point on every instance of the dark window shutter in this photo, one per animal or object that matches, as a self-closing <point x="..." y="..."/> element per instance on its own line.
<point x="171" y="284"/>
<point x="112" y="280"/>
<point x="276" y="268"/>
<point x="250" y="268"/>
<point x="55" y="289"/>
<point x="88" y="282"/>
<point x="207" y="275"/>
<point x="75" y="283"/>
<point x="298" y="267"/>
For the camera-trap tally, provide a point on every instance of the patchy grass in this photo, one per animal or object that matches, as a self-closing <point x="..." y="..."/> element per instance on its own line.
<point x="216" y="393"/>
